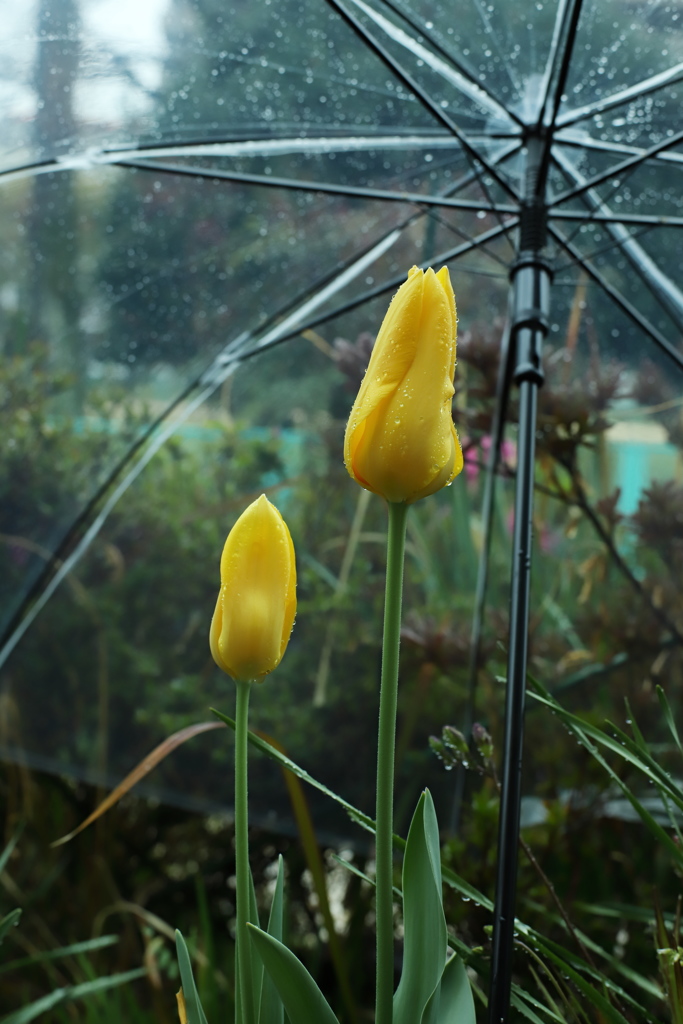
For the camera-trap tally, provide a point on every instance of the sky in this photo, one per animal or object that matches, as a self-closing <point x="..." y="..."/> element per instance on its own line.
<point x="133" y="29"/>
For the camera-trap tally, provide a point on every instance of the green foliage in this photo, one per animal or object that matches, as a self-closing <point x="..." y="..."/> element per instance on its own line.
<point x="427" y="992"/>
<point x="51" y="465"/>
<point x="302" y="999"/>
<point x="452" y="1001"/>
<point x="271" y="1006"/>
<point x="195" y="1011"/>
<point x="124" y="642"/>
<point x="84" y="991"/>
<point x="424" y="946"/>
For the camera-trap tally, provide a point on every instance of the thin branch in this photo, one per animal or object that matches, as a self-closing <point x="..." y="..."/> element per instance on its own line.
<point x="581" y="501"/>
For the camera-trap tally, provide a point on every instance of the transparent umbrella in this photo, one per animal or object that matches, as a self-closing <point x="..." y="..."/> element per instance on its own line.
<point x="187" y="187"/>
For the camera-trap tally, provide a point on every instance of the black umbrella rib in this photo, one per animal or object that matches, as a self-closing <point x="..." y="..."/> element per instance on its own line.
<point x="112" y="156"/>
<point x="70" y="539"/>
<point x="617" y="99"/>
<point x="423" y="97"/>
<point x="387" y="286"/>
<point x="652" y="220"/>
<point x="630" y="164"/>
<point x="250" y="132"/>
<point x="75" y="531"/>
<point x="620" y="300"/>
<point x="593" y="253"/>
<point x="35" y="166"/>
<point x="585" y="141"/>
<point x="565" y="51"/>
<point x="463" y="234"/>
<point x="450" y="58"/>
<point x="60" y="552"/>
<point x="661" y="288"/>
<point x="352" y="191"/>
<point x="550" y="62"/>
<point x="566" y="33"/>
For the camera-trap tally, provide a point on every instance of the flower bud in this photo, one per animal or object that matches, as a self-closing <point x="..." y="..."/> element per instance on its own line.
<point x="256" y="604"/>
<point x="483" y="742"/>
<point x="452" y="748"/>
<point x="400" y="440"/>
<point x="182" y="1008"/>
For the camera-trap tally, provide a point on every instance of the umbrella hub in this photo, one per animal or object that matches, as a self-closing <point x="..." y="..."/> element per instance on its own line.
<point x="534" y="209"/>
<point x="531" y="273"/>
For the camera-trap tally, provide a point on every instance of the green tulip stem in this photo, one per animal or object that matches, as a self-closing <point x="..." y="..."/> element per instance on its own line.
<point x="242" y="852"/>
<point x="386" y="743"/>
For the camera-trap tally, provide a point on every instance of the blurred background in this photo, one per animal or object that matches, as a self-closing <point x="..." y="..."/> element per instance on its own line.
<point x="205" y="209"/>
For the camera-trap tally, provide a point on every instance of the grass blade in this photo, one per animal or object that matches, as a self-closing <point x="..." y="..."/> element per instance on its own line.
<point x="55" y="954"/>
<point x="272" y="1009"/>
<point x="9" y="921"/>
<point x="60" y="995"/>
<point x="143" y="768"/>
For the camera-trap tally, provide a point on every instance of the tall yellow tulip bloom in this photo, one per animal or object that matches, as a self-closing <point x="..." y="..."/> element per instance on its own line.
<point x="256" y="604"/>
<point x="400" y="440"/>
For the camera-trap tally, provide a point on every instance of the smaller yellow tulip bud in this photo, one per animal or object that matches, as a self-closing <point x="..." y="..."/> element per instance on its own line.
<point x="400" y="440"/>
<point x="256" y="604"/>
<point x="182" y="1008"/>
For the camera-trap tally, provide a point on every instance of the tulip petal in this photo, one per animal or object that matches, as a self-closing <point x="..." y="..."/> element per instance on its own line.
<point x="393" y="350"/>
<point x="256" y="604"/>
<point x="400" y="440"/>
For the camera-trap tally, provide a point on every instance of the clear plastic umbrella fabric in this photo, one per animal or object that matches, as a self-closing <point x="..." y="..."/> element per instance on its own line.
<point x="205" y="209"/>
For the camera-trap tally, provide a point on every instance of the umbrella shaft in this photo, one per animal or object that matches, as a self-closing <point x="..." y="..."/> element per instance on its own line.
<point x="508" y="828"/>
<point x="531" y="283"/>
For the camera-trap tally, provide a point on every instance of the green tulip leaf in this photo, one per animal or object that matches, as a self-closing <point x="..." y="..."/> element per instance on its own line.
<point x="272" y="1010"/>
<point x="303" y="1000"/>
<point x="426" y="939"/>
<point x="195" y="1011"/>
<point x="452" y="1002"/>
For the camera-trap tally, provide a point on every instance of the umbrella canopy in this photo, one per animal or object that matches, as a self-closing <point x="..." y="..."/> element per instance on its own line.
<point x="198" y="199"/>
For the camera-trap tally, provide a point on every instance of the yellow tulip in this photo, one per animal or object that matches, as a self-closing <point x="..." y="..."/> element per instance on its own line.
<point x="256" y="604"/>
<point x="400" y="440"/>
<point x="182" y="1008"/>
